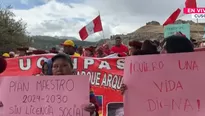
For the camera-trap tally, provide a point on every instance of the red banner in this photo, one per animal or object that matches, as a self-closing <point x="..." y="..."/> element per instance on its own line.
<point x="199" y="49"/>
<point x="105" y="77"/>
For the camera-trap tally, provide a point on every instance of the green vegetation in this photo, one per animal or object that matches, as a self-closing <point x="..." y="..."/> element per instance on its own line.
<point x="47" y="42"/>
<point x="13" y="35"/>
<point x="12" y="32"/>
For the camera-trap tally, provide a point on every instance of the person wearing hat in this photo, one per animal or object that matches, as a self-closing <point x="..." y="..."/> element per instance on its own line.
<point x="70" y="48"/>
<point x="22" y="51"/>
<point x="6" y="55"/>
<point x="12" y="54"/>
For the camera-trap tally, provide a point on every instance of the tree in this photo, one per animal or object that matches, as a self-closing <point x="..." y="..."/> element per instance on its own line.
<point x="12" y="32"/>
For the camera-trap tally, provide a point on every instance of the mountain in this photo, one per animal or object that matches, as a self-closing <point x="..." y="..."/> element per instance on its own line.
<point x="66" y="37"/>
<point x="47" y="42"/>
<point x="153" y="30"/>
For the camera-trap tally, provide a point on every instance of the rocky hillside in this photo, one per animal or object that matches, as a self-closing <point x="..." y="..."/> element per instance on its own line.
<point x="153" y="30"/>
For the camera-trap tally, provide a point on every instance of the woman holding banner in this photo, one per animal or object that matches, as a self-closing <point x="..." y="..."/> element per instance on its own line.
<point x="62" y="65"/>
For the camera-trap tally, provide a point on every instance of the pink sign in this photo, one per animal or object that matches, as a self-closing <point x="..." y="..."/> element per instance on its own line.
<point x="44" y="96"/>
<point x="165" y="85"/>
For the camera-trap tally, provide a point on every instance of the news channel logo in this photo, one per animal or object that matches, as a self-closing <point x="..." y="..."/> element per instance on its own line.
<point x="197" y="13"/>
<point x="198" y="16"/>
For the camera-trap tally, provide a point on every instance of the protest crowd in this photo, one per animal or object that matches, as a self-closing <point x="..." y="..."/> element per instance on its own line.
<point x="118" y="50"/>
<point x="62" y="64"/>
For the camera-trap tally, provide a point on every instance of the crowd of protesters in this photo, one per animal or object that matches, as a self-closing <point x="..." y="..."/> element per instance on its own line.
<point x="61" y="64"/>
<point x="134" y="48"/>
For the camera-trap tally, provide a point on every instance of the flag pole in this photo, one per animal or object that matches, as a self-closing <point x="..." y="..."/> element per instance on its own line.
<point x="103" y="34"/>
<point x="197" y="22"/>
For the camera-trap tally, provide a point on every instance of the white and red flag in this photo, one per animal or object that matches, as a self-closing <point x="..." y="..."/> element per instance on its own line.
<point x="94" y="26"/>
<point x="179" y="11"/>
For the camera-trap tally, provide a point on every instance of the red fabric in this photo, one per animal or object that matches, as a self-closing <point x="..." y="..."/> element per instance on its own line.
<point x="97" y="27"/>
<point x="106" y="51"/>
<point x="122" y="48"/>
<point x="122" y="54"/>
<point x="83" y="33"/>
<point x="98" y="24"/>
<point x="89" y="49"/>
<point x="191" y="4"/>
<point x="199" y="49"/>
<point x="173" y="17"/>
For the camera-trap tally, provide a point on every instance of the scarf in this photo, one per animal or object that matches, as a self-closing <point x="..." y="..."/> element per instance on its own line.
<point x="49" y="63"/>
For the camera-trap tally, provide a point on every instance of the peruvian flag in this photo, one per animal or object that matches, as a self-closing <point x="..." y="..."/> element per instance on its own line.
<point x="93" y="27"/>
<point x="179" y="12"/>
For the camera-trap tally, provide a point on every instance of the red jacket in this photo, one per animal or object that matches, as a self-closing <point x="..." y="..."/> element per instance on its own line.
<point x="119" y="49"/>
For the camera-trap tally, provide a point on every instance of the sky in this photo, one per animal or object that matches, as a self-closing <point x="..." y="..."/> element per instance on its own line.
<point x="67" y="17"/>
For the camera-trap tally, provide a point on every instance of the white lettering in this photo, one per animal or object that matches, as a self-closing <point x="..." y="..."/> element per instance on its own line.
<point x="24" y="67"/>
<point x="104" y="81"/>
<point x="88" y="62"/>
<point x="39" y="62"/>
<point x="198" y="10"/>
<point x="104" y="64"/>
<point x="120" y="64"/>
<point x="112" y="81"/>
<point x="75" y="63"/>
